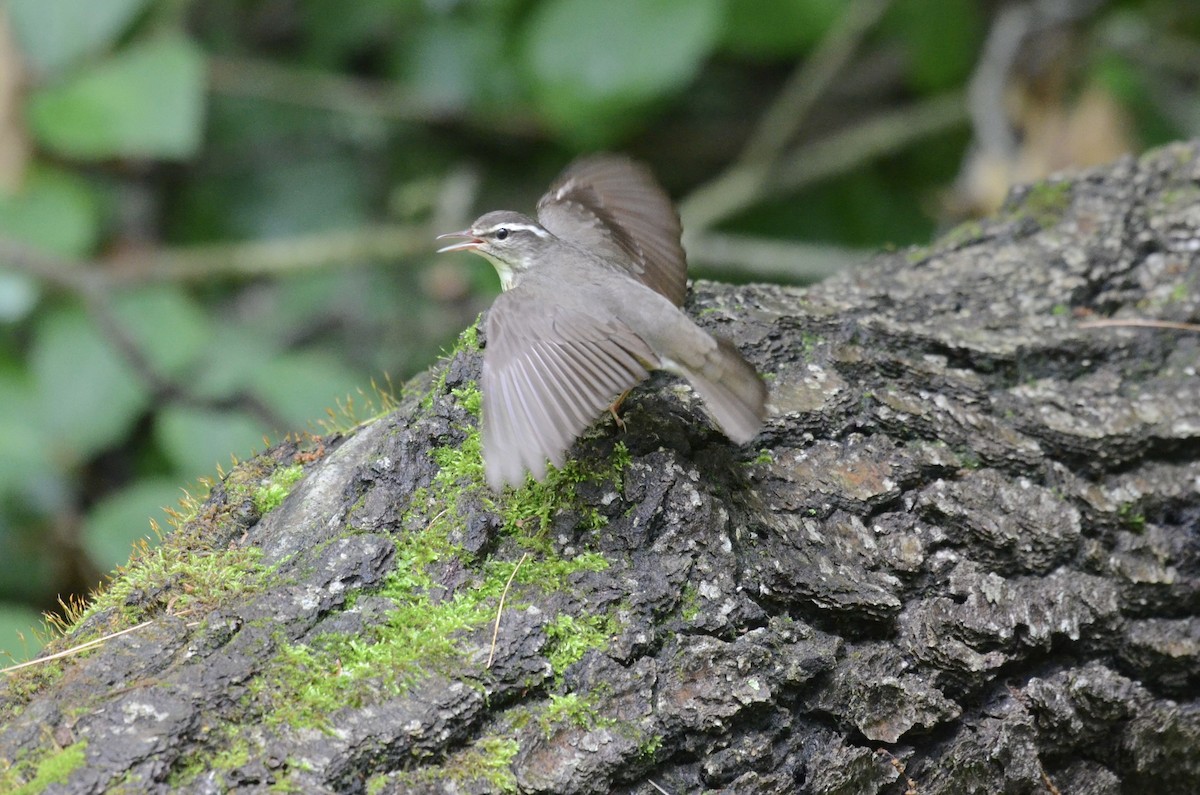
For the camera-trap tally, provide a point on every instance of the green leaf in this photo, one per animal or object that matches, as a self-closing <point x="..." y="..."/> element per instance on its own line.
<point x="943" y="39"/>
<point x="19" y="630"/>
<point x="233" y="355"/>
<point x="26" y="459"/>
<point x="302" y="386"/>
<point x="18" y="296"/>
<point x="120" y="520"/>
<point x="53" y="210"/>
<point x="777" y="28"/>
<point x="87" y="397"/>
<point x="167" y="325"/>
<point x="143" y="102"/>
<point x="295" y="196"/>
<point x="593" y="64"/>
<point x="198" y="440"/>
<point x="448" y="62"/>
<point x="53" y="34"/>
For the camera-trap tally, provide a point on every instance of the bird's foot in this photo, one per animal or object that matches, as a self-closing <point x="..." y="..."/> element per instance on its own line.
<point x="615" y="408"/>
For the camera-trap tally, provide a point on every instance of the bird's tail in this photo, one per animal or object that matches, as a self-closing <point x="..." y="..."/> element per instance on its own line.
<point x="732" y="390"/>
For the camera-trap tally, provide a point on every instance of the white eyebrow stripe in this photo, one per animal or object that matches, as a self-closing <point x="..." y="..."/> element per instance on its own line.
<point x="536" y="229"/>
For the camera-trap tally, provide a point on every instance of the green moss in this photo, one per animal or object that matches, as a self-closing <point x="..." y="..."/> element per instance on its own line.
<point x="21" y="685"/>
<point x="1180" y="292"/>
<point x="1045" y="202"/>
<point x="193" y="580"/>
<point x="31" y="777"/>
<point x="285" y="784"/>
<point x="232" y="757"/>
<point x="468" y="341"/>
<point x="226" y="748"/>
<point x="424" y="631"/>
<point x="471" y="399"/>
<point x="690" y="602"/>
<point x="649" y="747"/>
<point x="1131" y="518"/>
<point x="916" y="254"/>
<point x="427" y="631"/>
<point x="961" y="235"/>
<point x="490" y="760"/>
<point x="422" y="635"/>
<point x="528" y="511"/>
<point x="268" y="496"/>
<point x="571" y="710"/>
<point x="764" y="456"/>
<point x="194" y="568"/>
<point x="968" y="458"/>
<point x="485" y="765"/>
<point x="570" y="638"/>
<point x="809" y="343"/>
<point x="1061" y="310"/>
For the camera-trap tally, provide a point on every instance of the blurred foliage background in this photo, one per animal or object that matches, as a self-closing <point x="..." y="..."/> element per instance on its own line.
<point x="216" y="218"/>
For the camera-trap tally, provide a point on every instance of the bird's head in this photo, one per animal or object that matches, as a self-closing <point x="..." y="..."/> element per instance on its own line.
<point x="512" y="242"/>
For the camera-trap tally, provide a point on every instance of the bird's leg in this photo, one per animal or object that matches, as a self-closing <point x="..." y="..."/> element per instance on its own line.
<point x="616" y="407"/>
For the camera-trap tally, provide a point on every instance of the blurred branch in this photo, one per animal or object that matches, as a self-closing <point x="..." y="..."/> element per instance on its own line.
<point x="770" y="258"/>
<point x="260" y="79"/>
<point x="989" y="82"/>
<point x="779" y="124"/>
<point x="1013" y="35"/>
<point x="85" y="281"/>
<point x="764" y="169"/>
<point x="742" y="186"/>
<point x="272" y="257"/>
<point x="15" y="147"/>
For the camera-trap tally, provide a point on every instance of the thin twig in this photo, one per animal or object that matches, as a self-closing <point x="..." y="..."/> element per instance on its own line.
<point x="810" y="80"/>
<point x="987" y="90"/>
<point x="84" y="280"/>
<point x="273" y="257"/>
<point x="1139" y="323"/>
<point x="743" y="186"/>
<point x="500" y="609"/>
<point x="74" y="649"/>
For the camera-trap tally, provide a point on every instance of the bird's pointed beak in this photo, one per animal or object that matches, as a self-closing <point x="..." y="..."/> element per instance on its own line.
<point x="472" y="242"/>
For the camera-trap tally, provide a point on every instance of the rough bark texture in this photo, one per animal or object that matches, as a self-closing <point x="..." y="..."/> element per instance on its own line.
<point x="962" y="557"/>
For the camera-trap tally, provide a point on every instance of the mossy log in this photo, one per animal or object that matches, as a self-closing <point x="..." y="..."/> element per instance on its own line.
<point x="962" y="557"/>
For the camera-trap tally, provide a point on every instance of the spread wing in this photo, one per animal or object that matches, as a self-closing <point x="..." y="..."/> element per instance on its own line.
<point x="613" y="206"/>
<point x="547" y="373"/>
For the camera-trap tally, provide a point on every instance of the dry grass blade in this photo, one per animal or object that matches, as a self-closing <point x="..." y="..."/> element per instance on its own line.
<point x="74" y="649"/>
<point x="500" y="609"/>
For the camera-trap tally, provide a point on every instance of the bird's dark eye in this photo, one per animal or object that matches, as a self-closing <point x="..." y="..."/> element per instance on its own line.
<point x="501" y="233"/>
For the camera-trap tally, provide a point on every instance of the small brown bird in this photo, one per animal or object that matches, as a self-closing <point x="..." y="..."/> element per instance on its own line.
<point x="591" y="299"/>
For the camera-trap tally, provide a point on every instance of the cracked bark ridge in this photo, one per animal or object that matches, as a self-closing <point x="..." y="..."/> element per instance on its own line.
<point x="967" y="537"/>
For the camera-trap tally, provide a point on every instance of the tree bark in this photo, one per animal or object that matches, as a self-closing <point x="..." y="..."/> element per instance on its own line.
<point x="962" y="556"/>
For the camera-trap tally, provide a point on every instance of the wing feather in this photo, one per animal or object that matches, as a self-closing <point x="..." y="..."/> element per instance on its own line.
<point x="573" y="400"/>
<point x="613" y="206"/>
<point x="547" y="374"/>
